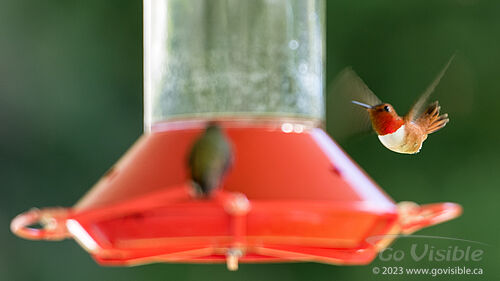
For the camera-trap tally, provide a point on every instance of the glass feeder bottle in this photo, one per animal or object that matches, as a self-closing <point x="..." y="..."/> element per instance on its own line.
<point x="260" y="60"/>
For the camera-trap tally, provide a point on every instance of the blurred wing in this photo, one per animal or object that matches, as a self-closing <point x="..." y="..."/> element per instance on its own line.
<point x="346" y="119"/>
<point x="351" y="86"/>
<point x="419" y="105"/>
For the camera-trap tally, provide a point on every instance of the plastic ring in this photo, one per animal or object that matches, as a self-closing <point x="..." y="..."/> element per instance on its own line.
<point x="52" y="219"/>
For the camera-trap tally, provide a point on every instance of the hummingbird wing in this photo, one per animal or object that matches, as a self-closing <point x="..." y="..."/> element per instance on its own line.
<point x="418" y="107"/>
<point x="346" y="119"/>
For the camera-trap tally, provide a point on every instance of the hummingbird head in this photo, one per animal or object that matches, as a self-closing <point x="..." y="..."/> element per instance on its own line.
<point x="384" y="118"/>
<point x="212" y="126"/>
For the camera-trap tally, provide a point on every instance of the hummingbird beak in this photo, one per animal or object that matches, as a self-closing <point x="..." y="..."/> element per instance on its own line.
<point x="362" y="104"/>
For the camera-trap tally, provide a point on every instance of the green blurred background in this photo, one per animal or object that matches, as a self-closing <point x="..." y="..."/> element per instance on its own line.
<point x="71" y="104"/>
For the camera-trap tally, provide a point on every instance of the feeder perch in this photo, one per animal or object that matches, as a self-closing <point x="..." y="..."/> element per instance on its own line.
<point x="257" y="69"/>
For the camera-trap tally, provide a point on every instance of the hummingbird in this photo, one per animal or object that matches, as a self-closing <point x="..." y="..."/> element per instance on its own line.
<point x="405" y="134"/>
<point x="209" y="159"/>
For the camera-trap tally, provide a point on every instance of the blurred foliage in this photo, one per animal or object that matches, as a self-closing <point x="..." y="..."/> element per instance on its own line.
<point x="71" y="104"/>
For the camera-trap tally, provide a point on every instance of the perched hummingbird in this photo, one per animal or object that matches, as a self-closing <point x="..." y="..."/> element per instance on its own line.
<point x="406" y="134"/>
<point x="209" y="159"/>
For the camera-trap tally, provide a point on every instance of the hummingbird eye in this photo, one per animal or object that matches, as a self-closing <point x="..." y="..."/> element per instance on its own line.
<point x="386" y="108"/>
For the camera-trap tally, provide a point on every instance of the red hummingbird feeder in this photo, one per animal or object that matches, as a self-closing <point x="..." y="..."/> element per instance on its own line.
<point x="256" y="68"/>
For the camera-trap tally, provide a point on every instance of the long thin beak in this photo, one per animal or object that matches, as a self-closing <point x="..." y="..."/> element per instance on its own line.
<point x="362" y="104"/>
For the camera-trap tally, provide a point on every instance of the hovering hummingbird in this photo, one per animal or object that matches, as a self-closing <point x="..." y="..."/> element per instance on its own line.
<point x="405" y="134"/>
<point x="209" y="159"/>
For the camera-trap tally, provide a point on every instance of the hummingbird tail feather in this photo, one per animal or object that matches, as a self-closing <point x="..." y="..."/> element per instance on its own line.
<point x="431" y="120"/>
<point x="440" y="123"/>
<point x="197" y="187"/>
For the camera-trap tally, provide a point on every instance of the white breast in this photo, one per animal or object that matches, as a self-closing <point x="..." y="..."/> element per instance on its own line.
<point x="394" y="141"/>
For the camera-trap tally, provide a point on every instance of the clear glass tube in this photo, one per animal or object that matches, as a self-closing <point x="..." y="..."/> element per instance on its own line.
<point x="233" y="58"/>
